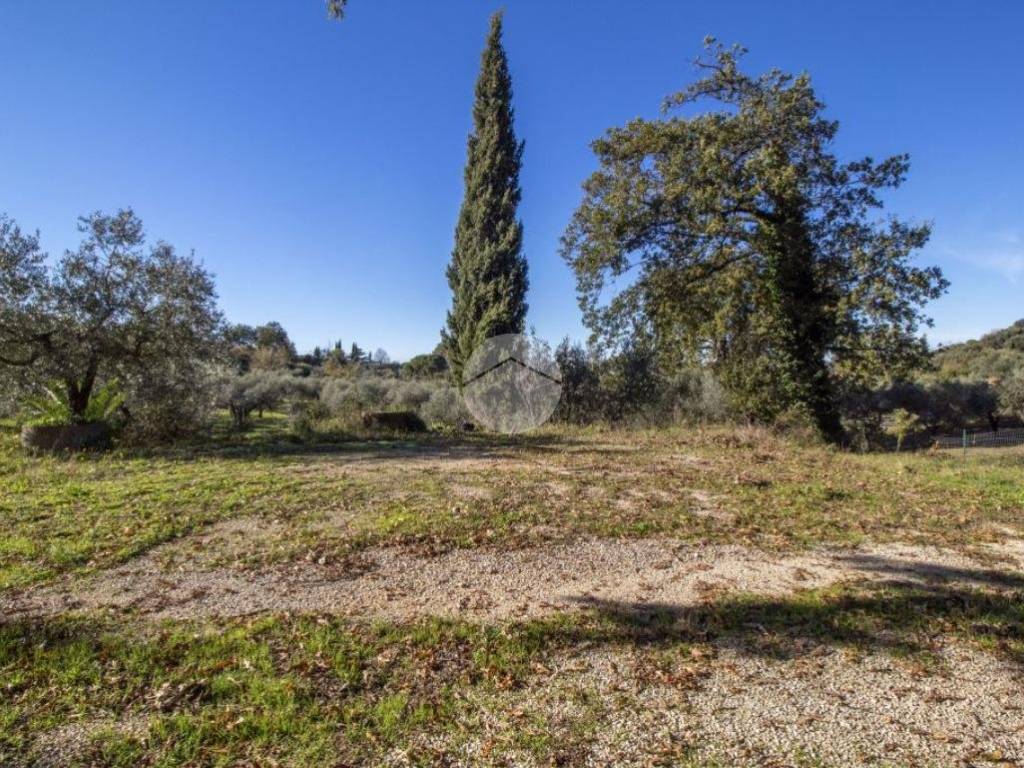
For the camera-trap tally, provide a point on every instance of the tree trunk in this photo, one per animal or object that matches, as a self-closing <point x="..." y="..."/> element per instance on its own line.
<point x="993" y="421"/>
<point x="806" y="329"/>
<point x="79" y="394"/>
<point x="239" y="415"/>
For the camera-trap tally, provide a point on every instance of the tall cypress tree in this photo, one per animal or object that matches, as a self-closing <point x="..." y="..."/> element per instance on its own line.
<point x="487" y="273"/>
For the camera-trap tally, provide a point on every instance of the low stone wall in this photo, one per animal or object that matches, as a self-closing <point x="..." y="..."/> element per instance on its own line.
<point x="71" y="437"/>
<point x="397" y="421"/>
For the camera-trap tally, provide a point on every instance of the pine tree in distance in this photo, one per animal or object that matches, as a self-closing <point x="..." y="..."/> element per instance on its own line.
<point x="487" y="273"/>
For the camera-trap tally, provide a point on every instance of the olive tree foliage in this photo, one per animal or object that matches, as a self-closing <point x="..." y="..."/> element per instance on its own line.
<point x="22" y="272"/>
<point x="630" y="387"/>
<point x="1011" y="396"/>
<point x="112" y="309"/>
<point x="733" y="236"/>
<point x="254" y="391"/>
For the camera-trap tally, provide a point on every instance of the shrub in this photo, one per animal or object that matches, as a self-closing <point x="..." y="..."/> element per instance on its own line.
<point x="444" y="407"/>
<point x="631" y="387"/>
<point x="371" y="391"/>
<point x="170" y="401"/>
<point x="340" y="397"/>
<point x="581" y="387"/>
<point x="630" y="383"/>
<point x="408" y="395"/>
<point x="349" y="398"/>
<point x="304" y="417"/>
<point x="901" y="424"/>
<point x="1011" y="396"/>
<point x="52" y="408"/>
<point x="306" y="387"/>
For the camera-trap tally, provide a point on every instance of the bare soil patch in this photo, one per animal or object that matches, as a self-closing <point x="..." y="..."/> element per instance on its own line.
<point x="493" y="584"/>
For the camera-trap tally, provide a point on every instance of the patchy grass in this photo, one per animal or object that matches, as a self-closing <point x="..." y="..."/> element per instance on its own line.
<point x="297" y="691"/>
<point x="302" y="690"/>
<point x="308" y="690"/>
<point x="718" y="485"/>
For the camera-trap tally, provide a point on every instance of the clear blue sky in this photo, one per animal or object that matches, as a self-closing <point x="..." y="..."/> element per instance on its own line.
<point x="316" y="167"/>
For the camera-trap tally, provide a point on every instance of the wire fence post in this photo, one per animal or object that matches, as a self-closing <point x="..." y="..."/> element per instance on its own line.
<point x="965" y="445"/>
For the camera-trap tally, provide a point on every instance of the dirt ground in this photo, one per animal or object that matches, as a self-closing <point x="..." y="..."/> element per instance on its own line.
<point x="492" y="584"/>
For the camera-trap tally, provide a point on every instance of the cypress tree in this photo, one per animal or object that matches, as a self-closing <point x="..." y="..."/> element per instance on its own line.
<point x="487" y="273"/>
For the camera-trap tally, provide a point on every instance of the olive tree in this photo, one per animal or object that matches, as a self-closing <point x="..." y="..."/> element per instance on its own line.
<point x="112" y="308"/>
<point x="254" y="391"/>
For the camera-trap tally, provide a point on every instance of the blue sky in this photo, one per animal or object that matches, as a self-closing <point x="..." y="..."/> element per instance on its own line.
<point x="316" y="167"/>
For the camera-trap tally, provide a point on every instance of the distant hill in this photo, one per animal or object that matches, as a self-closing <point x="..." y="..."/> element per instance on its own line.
<point x="996" y="355"/>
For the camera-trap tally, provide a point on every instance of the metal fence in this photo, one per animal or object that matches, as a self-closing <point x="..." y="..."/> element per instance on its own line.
<point x="1002" y="438"/>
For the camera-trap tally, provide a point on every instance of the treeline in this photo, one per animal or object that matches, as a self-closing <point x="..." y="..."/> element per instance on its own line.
<point x="632" y="387"/>
<point x="129" y="334"/>
<point x="728" y="264"/>
<point x="326" y="403"/>
<point x="996" y="356"/>
<point x="329" y="391"/>
<point x="268" y="347"/>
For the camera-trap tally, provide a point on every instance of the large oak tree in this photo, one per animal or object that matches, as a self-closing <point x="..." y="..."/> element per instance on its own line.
<point x="730" y="234"/>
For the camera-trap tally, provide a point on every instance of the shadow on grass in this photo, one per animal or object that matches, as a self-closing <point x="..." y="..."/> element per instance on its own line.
<point x="894" y="617"/>
<point x="912" y="606"/>
<point x="271" y="437"/>
<point x="895" y="614"/>
<point x="932" y="573"/>
<point x="355" y="448"/>
<point x="273" y="440"/>
<point x="373" y="448"/>
<point x="354" y="672"/>
<point x="435" y="446"/>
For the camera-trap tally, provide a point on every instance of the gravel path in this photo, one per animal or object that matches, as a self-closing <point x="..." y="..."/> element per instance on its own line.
<point x="490" y="585"/>
<point x="824" y="708"/>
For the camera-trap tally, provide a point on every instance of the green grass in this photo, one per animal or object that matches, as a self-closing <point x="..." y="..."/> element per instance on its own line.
<point x="60" y="514"/>
<point x="295" y="690"/>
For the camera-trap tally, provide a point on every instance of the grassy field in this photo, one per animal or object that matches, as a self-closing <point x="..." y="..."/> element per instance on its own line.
<point x="60" y="515"/>
<point x="281" y="689"/>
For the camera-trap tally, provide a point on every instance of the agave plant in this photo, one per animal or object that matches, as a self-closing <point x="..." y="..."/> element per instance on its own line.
<point x="53" y="409"/>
